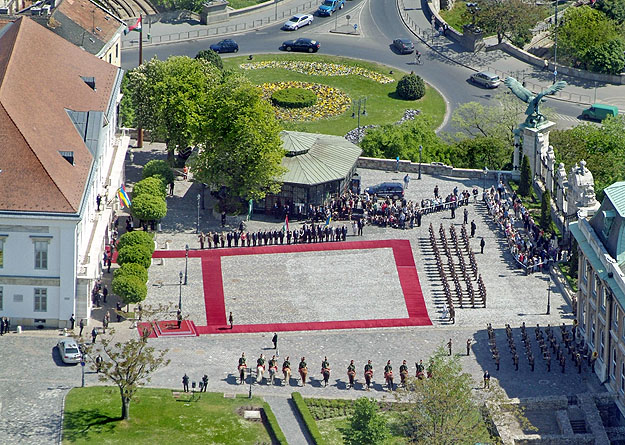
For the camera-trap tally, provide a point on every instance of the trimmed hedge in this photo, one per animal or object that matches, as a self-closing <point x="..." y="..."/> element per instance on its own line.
<point x="293" y="98"/>
<point x="153" y="185"/>
<point x="136" y="238"/>
<point x="134" y="269"/>
<point x="158" y="167"/>
<point x="130" y="288"/>
<point x="308" y="418"/>
<point x="139" y="254"/>
<point x="411" y="87"/>
<point x="274" y="428"/>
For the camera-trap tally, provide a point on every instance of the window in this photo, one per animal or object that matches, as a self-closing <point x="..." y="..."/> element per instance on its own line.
<point x="1" y="253"/>
<point x="1" y="301"/>
<point x="592" y="334"/>
<point x="585" y="272"/>
<point x="601" y="344"/>
<point x="613" y="373"/>
<point x="615" y="317"/>
<point x="41" y="300"/>
<point x="41" y="254"/>
<point x="593" y="286"/>
<point x="601" y="296"/>
<point x="582" y="317"/>
<point x="623" y="377"/>
<point x="116" y="51"/>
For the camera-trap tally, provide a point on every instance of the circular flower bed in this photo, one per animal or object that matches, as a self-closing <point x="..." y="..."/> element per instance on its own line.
<point x="318" y="69"/>
<point x="330" y="101"/>
<point x="293" y="98"/>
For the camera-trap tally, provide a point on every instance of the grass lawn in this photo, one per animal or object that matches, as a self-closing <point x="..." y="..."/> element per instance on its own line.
<point x="382" y="104"/>
<point x="332" y="431"/>
<point x="453" y="16"/>
<point x="239" y="4"/>
<point x="92" y="416"/>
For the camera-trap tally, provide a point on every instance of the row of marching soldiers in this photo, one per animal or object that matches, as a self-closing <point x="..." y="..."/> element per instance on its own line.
<point x="271" y="366"/>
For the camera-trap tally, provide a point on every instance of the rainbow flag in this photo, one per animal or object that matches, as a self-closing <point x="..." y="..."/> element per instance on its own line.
<point x="124" y="200"/>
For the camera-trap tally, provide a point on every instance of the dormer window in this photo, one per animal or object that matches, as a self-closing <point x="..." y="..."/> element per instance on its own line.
<point x="89" y="81"/>
<point x="68" y="156"/>
<point x="608" y="219"/>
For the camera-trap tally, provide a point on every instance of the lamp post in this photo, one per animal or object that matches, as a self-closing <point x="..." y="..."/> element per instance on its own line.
<point x="420" y="151"/>
<point x="360" y="103"/>
<point x="555" y="46"/>
<point x="197" y="227"/>
<point x="485" y="173"/>
<point x="549" y="297"/>
<point x="180" y="292"/>
<point x="186" y="263"/>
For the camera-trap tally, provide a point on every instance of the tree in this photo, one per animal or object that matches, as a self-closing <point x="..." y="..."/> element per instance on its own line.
<point x="482" y="151"/>
<point x="608" y="57"/>
<point x="126" y="110"/>
<point x="149" y="207"/>
<point x="581" y="30"/>
<point x="545" y="211"/>
<point x="180" y="5"/>
<point x="525" y="184"/>
<point x="212" y="57"/>
<point x="411" y="87"/>
<point x="127" y="364"/>
<point x="134" y="269"/>
<point x="130" y="288"/>
<point x="614" y="9"/>
<point x="509" y="19"/>
<point x="150" y="186"/>
<point x="367" y="426"/>
<point x="170" y="97"/>
<point x="441" y="410"/>
<point x="241" y="149"/>
<point x="136" y="237"/>
<point x="135" y="254"/>
<point x="158" y="167"/>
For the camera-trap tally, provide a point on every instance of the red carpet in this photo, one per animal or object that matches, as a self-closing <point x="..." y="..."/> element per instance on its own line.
<point x="169" y="328"/>
<point x="214" y="294"/>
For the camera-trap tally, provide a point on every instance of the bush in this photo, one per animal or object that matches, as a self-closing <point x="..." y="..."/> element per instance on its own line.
<point x="130" y="288"/>
<point x="136" y="237"/>
<point x="293" y="98"/>
<point x="274" y="428"/>
<point x="152" y="185"/>
<point x="411" y="87"/>
<point x="132" y="269"/>
<point x="212" y="57"/>
<point x="135" y="254"/>
<point x="158" y="167"/>
<point x="308" y="418"/>
<point x="149" y="207"/>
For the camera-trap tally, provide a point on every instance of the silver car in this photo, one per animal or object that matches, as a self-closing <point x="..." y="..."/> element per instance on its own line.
<point x="485" y="79"/>
<point x="297" y="21"/>
<point x="69" y="351"/>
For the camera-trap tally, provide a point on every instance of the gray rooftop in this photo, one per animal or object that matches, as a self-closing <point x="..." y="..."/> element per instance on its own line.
<point x="317" y="158"/>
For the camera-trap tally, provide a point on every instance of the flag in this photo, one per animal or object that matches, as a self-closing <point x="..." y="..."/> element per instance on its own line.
<point x="329" y="220"/>
<point x="124" y="200"/>
<point x="285" y="227"/>
<point x="135" y="27"/>
<point x="250" y="208"/>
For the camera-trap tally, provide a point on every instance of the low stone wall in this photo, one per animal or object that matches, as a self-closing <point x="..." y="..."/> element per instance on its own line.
<point x="547" y="439"/>
<point x="434" y="9"/>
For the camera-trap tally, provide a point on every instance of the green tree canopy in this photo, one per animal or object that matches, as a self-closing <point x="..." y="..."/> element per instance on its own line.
<point x="149" y="207"/>
<point x="525" y="184"/>
<point x="366" y="426"/>
<point x="136" y="237"/>
<point x="130" y="288"/>
<point x="545" y="211"/>
<point x="509" y="19"/>
<point x="608" y="57"/>
<point x="152" y="185"/>
<point x="212" y="57"/>
<point x="441" y="409"/>
<point x="614" y="9"/>
<point x="480" y="152"/>
<point x="242" y="149"/>
<point x="158" y="167"/>
<point x="134" y="269"/>
<point x="139" y="254"/>
<point x="411" y="87"/>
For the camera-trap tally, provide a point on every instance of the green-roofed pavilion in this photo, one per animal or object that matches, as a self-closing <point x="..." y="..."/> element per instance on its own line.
<point x="319" y="166"/>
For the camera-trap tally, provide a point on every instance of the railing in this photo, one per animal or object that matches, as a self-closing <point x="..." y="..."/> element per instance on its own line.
<point x="223" y="29"/>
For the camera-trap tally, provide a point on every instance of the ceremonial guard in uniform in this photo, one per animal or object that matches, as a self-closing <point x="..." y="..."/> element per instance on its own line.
<point x="403" y="373"/>
<point x="351" y="373"/>
<point x="368" y="374"/>
<point x="325" y="371"/>
<point x="242" y="366"/>
<point x="388" y="375"/>
<point x="303" y="370"/>
<point x="286" y="370"/>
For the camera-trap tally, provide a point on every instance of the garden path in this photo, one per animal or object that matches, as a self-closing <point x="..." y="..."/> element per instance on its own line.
<point x="289" y="419"/>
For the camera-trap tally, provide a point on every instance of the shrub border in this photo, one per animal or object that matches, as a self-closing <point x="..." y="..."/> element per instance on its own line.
<point x="272" y="423"/>
<point x="308" y="418"/>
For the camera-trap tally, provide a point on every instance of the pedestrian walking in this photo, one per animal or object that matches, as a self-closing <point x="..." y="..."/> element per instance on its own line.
<point x="482" y="244"/>
<point x="105" y="292"/>
<point x="275" y="340"/>
<point x="72" y="321"/>
<point x="185" y="383"/>
<point x="98" y="363"/>
<point x="468" y="346"/>
<point x="406" y="181"/>
<point x="94" y="335"/>
<point x="98" y="201"/>
<point x="81" y="324"/>
<point x="449" y="346"/>
<point x="230" y="320"/>
<point x="486" y="379"/>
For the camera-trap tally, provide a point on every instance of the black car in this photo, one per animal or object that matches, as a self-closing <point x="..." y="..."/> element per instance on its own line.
<point x="393" y="190"/>
<point x="403" y="46"/>
<point x="225" y="46"/>
<point x="312" y="46"/>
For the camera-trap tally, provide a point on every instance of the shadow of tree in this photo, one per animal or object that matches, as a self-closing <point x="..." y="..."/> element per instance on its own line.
<point x="81" y="422"/>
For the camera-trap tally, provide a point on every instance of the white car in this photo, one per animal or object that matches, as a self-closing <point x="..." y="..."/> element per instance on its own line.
<point x="297" y="21"/>
<point x="69" y="351"/>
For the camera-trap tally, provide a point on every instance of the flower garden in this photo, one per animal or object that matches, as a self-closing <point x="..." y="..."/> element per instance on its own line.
<point x="339" y="84"/>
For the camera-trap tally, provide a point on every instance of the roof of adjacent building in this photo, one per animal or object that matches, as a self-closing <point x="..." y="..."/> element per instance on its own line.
<point x="317" y="158"/>
<point x="616" y="194"/>
<point x="84" y="23"/>
<point x="48" y="111"/>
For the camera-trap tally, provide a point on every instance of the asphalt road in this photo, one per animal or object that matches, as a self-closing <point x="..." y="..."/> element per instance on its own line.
<point x="379" y="23"/>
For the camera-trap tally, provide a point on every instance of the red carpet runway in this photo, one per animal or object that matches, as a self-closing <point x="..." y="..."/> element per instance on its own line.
<point x="214" y="293"/>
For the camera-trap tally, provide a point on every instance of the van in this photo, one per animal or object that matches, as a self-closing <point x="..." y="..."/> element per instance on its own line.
<point x="599" y="112"/>
<point x="393" y="190"/>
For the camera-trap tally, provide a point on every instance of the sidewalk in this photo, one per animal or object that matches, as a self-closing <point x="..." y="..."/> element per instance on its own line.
<point x="289" y="420"/>
<point x="501" y="63"/>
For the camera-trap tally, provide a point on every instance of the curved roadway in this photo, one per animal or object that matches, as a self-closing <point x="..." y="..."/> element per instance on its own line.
<point x="379" y="23"/>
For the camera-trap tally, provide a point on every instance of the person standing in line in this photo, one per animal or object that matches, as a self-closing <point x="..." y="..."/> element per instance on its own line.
<point x="466" y="216"/>
<point x="231" y="320"/>
<point x="482" y="244"/>
<point x="473" y="227"/>
<point x="105" y="292"/>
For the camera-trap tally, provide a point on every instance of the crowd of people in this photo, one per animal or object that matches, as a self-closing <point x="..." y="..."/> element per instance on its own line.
<point x="533" y="249"/>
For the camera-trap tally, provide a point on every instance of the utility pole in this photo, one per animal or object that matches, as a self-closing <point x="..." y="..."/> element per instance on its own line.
<point x="555" y="51"/>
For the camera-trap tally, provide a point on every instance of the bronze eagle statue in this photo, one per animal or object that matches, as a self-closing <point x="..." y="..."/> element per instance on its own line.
<point x="534" y="117"/>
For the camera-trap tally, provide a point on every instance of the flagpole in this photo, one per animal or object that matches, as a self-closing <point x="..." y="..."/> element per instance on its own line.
<point x="140" y="129"/>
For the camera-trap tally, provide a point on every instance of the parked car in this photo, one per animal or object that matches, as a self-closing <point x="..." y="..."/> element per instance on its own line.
<point x="403" y="46"/>
<point x="68" y="350"/>
<point x="297" y="21"/>
<point x="393" y="190"/>
<point x="312" y="46"/>
<point x="485" y="79"/>
<point x="599" y="112"/>
<point x="225" y="46"/>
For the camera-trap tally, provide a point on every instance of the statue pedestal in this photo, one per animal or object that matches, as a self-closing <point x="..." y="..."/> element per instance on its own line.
<point x="535" y="145"/>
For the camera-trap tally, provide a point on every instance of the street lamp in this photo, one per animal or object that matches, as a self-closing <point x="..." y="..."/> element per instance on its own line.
<point x="549" y="297"/>
<point x="186" y="263"/>
<point x="555" y="46"/>
<point x="197" y="227"/>
<point x="180" y="292"/>
<point x="420" y="151"/>
<point x="485" y="173"/>
<point x="360" y="103"/>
